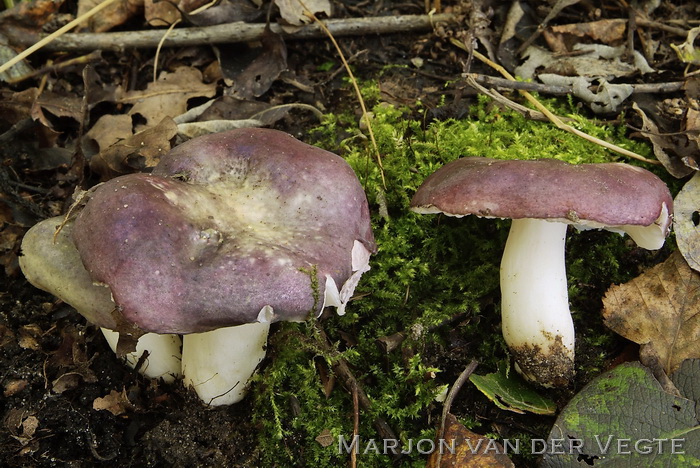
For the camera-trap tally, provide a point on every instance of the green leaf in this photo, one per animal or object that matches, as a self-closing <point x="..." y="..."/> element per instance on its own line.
<point x="510" y="392"/>
<point x="687" y="380"/>
<point x="623" y="418"/>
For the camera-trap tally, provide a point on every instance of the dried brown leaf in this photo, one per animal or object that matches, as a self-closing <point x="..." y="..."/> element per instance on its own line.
<point x="294" y="13"/>
<point x="562" y="38"/>
<point x="325" y="438"/>
<point x="659" y="310"/>
<point x="168" y="96"/>
<point x="29" y="336"/>
<point x="111" y="16"/>
<point x="686" y="208"/>
<point x="16" y="106"/>
<point x="15" y="386"/>
<point x="65" y="382"/>
<point x="140" y="151"/>
<point x="471" y="450"/>
<point x="107" y="131"/>
<point x="691" y="125"/>
<point x="259" y="75"/>
<point x="666" y="149"/>
<point x="115" y="402"/>
<point x="57" y="105"/>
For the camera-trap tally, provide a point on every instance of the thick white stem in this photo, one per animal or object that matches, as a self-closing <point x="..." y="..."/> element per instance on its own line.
<point x="218" y="364"/>
<point x="537" y="325"/>
<point x="164" y="356"/>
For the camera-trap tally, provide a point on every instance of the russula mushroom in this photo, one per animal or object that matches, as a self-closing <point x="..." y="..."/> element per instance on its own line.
<point x="543" y="197"/>
<point x="51" y="262"/>
<point x="230" y="232"/>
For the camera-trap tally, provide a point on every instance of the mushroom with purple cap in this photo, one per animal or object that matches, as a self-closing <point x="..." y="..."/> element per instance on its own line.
<point x="543" y="197"/>
<point x="51" y="262"/>
<point x="229" y="233"/>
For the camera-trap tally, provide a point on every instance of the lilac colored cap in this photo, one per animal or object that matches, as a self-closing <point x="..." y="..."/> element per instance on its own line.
<point x="226" y="227"/>
<point x="610" y="195"/>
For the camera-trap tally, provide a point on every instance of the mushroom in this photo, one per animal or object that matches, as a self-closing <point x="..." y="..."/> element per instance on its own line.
<point x="542" y="197"/>
<point x="51" y="262"/>
<point x="230" y="233"/>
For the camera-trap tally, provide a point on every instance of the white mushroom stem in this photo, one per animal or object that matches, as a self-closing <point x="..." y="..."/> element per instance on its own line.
<point x="536" y="321"/>
<point x="163" y="360"/>
<point x="219" y="364"/>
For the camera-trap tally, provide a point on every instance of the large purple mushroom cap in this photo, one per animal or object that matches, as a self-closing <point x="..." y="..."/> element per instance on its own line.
<point x="613" y="196"/>
<point x="230" y="228"/>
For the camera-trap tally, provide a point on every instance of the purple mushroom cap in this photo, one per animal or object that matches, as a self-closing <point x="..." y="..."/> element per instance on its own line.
<point x="227" y="225"/>
<point x="598" y="195"/>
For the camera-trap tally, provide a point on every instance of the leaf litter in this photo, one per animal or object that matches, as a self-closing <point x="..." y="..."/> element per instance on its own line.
<point x="660" y="311"/>
<point x="142" y="123"/>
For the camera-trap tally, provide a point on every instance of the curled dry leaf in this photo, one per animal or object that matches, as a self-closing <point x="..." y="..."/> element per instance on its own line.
<point x="667" y="149"/>
<point x="686" y="209"/>
<point x="659" y="310"/>
<point x="58" y="105"/>
<point x="107" y="131"/>
<point x="115" y="402"/>
<point x="593" y="60"/>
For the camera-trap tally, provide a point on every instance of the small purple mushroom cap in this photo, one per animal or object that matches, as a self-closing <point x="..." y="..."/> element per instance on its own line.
<point x="612" y="196"/>
<point x="230" y="228"/>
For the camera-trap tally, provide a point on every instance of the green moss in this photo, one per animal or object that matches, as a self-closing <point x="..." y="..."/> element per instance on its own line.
<point x="428" y="270"/>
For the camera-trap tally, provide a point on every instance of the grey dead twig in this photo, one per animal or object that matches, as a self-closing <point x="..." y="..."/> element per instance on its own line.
<point x="236" y="32"/>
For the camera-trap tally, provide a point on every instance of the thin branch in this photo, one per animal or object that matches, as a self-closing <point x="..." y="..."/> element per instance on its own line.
<point x="456" y="387"/>
<point x="551" y="116"/>
<point x="54" y="35"/>
<point x="237" y="32"/>
<point x="342" y="369"/>
<point x="496" y="82"/>
<point x="355" y="424"/>
<point x="661" y="26"/>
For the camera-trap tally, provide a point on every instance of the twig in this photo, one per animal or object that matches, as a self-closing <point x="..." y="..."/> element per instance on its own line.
<point x="456" y="387"/>
<point x="355" y="424"/>
<point x="554" y="118"/>
<point x="52" y="37"/>
<point x="342" y="370"/>
<point x="663" y="27"/>
<point x="237" y="32"/>
<point x="494" y="81"/>
<point x="496" y="96"/>
<point x="83" y="59"/>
